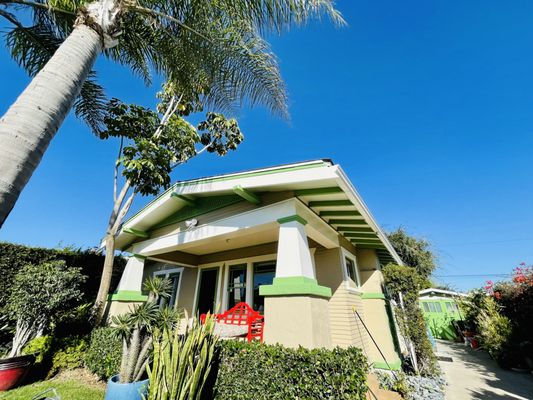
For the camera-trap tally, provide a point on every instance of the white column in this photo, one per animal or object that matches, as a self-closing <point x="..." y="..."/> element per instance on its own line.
<point x="132" y="276"/>
<point x="294" y="257"/>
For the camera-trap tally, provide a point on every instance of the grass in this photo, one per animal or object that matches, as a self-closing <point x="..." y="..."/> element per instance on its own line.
<point x="67" y="389"/>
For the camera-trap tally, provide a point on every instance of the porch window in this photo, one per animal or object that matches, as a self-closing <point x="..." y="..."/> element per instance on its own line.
<point x="236" y="284"/>
<point x="264" y="274"/>
<point x="174" y="276"/>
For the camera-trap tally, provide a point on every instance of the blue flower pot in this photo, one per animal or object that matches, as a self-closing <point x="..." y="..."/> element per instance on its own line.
<point x="126" y="391"/>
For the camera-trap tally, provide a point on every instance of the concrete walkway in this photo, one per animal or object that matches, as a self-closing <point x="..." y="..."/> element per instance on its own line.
<point x="474" y="375"/>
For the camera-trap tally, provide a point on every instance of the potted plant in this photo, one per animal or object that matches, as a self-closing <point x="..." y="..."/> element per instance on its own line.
<point x="136" y="331"/>
<point x="39" y="295"/>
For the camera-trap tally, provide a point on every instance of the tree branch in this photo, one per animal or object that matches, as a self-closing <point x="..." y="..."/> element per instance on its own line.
<point x="115" y="181"/>
<point x="37" y="5"/>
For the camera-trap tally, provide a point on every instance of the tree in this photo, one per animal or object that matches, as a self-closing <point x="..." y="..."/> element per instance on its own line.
<point x="415" y="253"/>
<point x="213" y="51"/>
<point x="40" y="294"/>
<point x="154" y="146"/>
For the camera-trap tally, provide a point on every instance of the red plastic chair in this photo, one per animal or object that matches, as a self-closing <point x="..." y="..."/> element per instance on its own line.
<point x="242" y="314"/>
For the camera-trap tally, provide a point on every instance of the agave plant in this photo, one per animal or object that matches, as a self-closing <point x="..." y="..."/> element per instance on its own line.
<point x="137" y="328"/>
<point x="182" y="361"/>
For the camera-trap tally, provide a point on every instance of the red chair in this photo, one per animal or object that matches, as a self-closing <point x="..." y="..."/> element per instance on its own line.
<point x="242" y="314"/>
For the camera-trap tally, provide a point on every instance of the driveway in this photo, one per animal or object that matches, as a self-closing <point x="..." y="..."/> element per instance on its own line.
<point x="474" y="375"/>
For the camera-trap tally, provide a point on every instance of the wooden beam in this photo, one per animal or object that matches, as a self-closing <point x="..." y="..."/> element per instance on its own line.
<point x="355" y="229"/>
<point x="361" y="235"/>
<point x="136" y="232"/>
<point x="186" y="200"/>
<point x="317" y="191"/>
<point x="330" y="203"/>
<point x="348" y="222"/>
<point x="337" y="213"/>
<point x="246" y="195"/>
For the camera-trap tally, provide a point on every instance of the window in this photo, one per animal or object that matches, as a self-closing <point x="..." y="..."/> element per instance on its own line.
<point x="452" y="307"/>
<point x="437" y="307"/>
<point x="174" y="276"/>
<point x="264" y="274"/>
<point x="351" y="273"/>
<point x="236" y="284"/>
<point x="426" y="307"/>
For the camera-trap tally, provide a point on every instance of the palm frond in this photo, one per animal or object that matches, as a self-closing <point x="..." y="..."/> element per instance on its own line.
<point x="91" y="104"/>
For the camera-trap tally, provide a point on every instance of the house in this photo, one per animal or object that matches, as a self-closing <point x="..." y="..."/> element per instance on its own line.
<point x="296" y="242"/>
<point x="440" y="310"/>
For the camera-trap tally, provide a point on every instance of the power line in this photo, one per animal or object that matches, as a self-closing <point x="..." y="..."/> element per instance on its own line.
<point x="471" y="275"/>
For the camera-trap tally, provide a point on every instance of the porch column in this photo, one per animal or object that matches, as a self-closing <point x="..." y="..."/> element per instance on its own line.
<point x="129" y="289"/>
<point x="296" y="307"/>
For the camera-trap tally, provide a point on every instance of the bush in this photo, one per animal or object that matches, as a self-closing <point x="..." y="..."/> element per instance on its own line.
<point x="407" y="281"/>
<point x="54" y="354"/>
<point x="494" y="328"/>
<point x="257" y="371"/>
<point x="104" y="353"/>
<point x="13" y="257"/>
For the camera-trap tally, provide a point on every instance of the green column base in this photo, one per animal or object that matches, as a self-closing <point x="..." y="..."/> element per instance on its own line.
<point x="127" y="295"/>
<point x="294" y="285"/>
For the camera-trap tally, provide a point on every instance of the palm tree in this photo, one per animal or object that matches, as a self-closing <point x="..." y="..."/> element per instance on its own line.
<point x="211" y="49"/>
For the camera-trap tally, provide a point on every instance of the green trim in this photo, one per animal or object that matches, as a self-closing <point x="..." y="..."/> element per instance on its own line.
<point x="392" y="365"/>
<point x="373" y="296"/>
<point x="186" y="200"/>
<point x="361" y="222"/>
<point x="366" y="241"/>
<point x="330" y="203"/>
<point x="127" y="295"/>
<point x="370" y="246"/>
<point x="316" y="164"/>
<point x="355" y="229"/>
<point x="292" y="218"/>
<point x="336" y="213"/>
<point x="360" y="235"/>
<point x="140" y="257"/>
<point x="317" y="191"/>
<point x="246" y="195"/>
<point x="294" y="285"/>
<point x="136" y="232"/>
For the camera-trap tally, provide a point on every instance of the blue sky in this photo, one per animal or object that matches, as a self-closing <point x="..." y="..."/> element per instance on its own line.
<point x="428" y="106"/>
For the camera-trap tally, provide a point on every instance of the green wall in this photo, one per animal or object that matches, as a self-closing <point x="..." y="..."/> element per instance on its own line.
<point x="439" y="315"/>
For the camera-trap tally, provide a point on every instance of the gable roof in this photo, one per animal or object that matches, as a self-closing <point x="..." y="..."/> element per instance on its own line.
<point x="320" y="184"/>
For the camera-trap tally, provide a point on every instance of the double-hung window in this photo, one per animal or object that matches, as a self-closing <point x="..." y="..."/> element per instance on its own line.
<point x="350" y="270"/>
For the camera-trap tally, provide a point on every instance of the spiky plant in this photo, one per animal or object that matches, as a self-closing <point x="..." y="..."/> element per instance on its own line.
<point x="182" y="362"/>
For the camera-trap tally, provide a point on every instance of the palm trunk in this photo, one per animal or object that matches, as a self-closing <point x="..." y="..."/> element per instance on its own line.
<point x="29" y="125"/>
<point x="105" y="280"/>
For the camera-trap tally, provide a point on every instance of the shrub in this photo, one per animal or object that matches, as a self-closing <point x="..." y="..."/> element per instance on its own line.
<point x="40" y="347"/>
<point x="257" y="371"/>
<point x="407" y="281"/>
<point x="104" y="353"/>
<point x="494" y="328"/>
<point x="14" y="256"/>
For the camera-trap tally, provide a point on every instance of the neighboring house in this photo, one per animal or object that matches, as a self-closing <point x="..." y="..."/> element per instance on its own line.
<point x="296" y="242"/>
<point x="440" y="309"/>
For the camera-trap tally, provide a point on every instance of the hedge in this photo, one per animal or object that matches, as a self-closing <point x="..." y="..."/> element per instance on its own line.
<point x="257" y="371"/>
<point x="104" y="353"/>
<point x="14" y="256"/>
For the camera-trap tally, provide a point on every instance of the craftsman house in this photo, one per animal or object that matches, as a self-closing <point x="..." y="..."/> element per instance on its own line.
<point x="295" y="242"/>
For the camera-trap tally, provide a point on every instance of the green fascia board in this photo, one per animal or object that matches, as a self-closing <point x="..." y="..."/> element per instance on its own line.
<point x="136" y="232"/>
<point x="361" y="235"/>
<point x="246" y="195"/>
<point x="330" y="203"/>
<point x="294" y="286"/>
<point x="292" y="218"/>
<point x="127" y="295"/>
<point x="373" y="296"/>
<point x="246" y="174"/>
<point x="389" y="365"/>
<point x="317" y="191"/>
<point x="186" y="200"/>
<point x="340" y="213"/>
<point x="355" y="229"/>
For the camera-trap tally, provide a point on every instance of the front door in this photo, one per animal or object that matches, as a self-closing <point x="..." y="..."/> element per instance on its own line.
<point x="207" y="291"/>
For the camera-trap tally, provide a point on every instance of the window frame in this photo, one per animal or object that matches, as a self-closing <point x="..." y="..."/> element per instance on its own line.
<point x="345" y="254"/>
<point x="166" y="273"/>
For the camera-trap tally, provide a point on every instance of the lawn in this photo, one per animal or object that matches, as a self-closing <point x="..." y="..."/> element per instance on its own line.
<point x="67" y="389"/>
